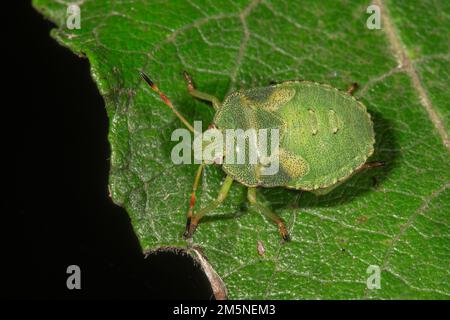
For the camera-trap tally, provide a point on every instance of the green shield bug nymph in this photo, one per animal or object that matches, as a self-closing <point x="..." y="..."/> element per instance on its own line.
<point x="325" y="136"/>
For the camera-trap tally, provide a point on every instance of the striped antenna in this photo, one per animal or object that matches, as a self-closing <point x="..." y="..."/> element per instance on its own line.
<point x="166" y="100"/>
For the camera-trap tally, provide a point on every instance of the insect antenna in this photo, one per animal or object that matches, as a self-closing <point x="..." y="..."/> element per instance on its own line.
<point x="166" y="100"/>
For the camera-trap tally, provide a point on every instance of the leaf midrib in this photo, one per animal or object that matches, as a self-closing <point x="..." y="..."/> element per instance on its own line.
<point x="406" y="64"/>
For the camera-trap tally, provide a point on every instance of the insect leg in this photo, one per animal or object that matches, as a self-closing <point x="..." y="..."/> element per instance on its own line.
<point x="251" y="196"/>
<point x="190" y="229"/>
<point x="372" y="164"/>
<point x="352" y="88"/>
<point x="193" y="195"/>
<point x="200" y="95"/>
<point x="166" y="101"/>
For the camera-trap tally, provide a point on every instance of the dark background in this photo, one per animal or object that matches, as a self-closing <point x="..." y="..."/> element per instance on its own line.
<point x="64" y="213"/>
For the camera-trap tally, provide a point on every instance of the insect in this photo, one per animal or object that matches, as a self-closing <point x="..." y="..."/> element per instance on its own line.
<point x="326" y="136"/>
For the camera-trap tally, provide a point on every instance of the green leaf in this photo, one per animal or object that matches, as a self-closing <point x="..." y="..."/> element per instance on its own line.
<point x="396" y="217"/>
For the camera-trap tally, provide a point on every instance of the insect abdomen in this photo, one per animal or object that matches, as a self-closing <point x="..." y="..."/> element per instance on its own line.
<point x="330" y="130"/>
